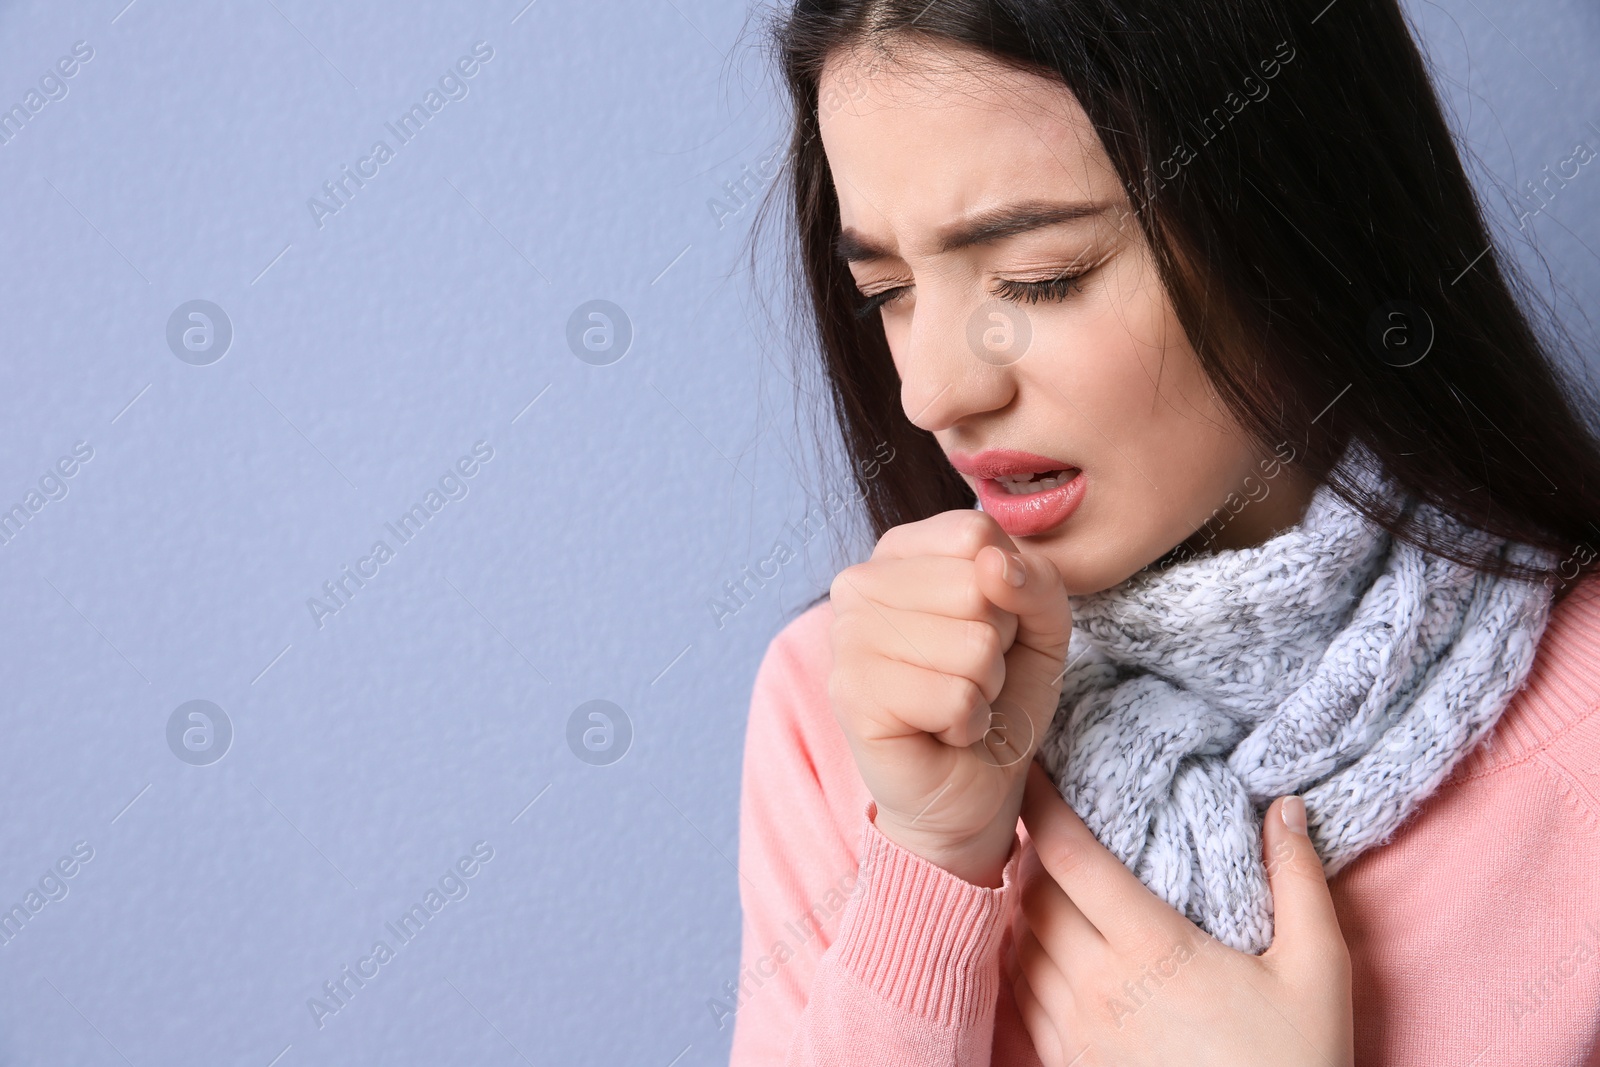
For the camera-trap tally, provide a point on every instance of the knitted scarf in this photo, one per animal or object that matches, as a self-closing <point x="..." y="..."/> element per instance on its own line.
<point x="1331" y="661"/>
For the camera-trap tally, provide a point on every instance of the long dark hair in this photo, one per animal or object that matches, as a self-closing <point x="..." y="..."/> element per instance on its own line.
<point x="1313" y="226"/>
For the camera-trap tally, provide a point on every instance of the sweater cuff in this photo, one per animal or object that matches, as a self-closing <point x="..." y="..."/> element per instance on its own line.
<point x="924" y="939"/>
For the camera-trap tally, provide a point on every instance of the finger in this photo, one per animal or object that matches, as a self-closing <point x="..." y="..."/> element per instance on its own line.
<point x="1045" y="976"/>
<point x="1034" y="661"/>
<point x="1125" y="913"/>
<point x="1047" y="911"/>
<point x="1028" y="585"/>
<point x="1036" y="1018"/>
<point x="1008" y="945"/>
<point x="1306" y="936"/>
<point x="962" y="647"/>
<point x="896" y="700"/>
<point x="939" y="585"/>
<point x="960" y="533"/>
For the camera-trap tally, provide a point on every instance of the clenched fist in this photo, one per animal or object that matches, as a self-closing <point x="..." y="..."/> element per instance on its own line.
<point x="948" y="651"/>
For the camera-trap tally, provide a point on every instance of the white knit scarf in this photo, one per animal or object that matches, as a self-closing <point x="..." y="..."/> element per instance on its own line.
<point x="1329" y="661"/>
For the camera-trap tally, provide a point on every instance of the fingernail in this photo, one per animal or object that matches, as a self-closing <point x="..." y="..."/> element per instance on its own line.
<point x="1293" y="812"/>
<point x="1015" y="572"/>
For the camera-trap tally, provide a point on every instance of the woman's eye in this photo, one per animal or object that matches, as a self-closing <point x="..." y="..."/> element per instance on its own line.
<point x="1057" y="288"/>
<point x="1030" y="292"/>
<point x="872" y="303"/>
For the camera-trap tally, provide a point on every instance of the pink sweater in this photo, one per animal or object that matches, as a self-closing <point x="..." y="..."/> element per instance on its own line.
<point x="1475" y="932"/>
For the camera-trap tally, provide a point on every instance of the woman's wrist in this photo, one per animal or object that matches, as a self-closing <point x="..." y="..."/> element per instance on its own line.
<point x="980" y="860"/>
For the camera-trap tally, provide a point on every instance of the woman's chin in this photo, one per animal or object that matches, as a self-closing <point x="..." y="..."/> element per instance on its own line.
<point x="1082" y="577"/>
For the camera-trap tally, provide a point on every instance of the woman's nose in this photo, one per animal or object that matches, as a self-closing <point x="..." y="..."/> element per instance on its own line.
<point x="959" y="360"/>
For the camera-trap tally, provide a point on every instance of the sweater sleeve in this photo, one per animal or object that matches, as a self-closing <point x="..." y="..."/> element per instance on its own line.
<point x="854" y="949"/>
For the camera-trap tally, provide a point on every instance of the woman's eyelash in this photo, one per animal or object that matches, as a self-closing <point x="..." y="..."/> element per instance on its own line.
<point x="877" y="300"/>
<point x="1057" y="288"/>
<point x="1051" y="289"/>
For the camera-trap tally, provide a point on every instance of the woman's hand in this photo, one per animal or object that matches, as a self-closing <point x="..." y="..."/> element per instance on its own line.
<point x="1105" y="972"/>
<point x="948" y="647"/>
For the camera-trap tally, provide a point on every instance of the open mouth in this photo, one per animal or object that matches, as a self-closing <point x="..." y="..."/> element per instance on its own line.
<point x="1027" y="493"/>
<point x="1030" y="505"/>
<point x="1022" y="484"/>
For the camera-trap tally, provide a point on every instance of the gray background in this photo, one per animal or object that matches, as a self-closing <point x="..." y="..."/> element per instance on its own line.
<point x="369" y="354"/>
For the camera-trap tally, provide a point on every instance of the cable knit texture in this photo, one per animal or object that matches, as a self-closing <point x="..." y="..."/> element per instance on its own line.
<point x="1330" y="661"/>
<point x="1473" y="934"/>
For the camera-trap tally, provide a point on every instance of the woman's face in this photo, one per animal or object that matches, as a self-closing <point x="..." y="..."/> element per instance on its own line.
<point x="971" y="195"/>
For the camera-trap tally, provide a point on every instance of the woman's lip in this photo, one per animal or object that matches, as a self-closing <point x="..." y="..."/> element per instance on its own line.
<point x="1001" y="462"/>
<point x="1031" y="514"/>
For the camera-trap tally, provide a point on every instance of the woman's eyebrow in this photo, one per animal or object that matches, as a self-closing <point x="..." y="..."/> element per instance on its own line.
<point x="993" y="224"/>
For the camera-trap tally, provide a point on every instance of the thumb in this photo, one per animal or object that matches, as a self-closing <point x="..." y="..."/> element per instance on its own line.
<point x="1306" y="936"/>
<point x="1027" y="585"/>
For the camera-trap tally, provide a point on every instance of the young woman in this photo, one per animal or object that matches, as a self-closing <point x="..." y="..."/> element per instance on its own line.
<point x="1223" y="686"/>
